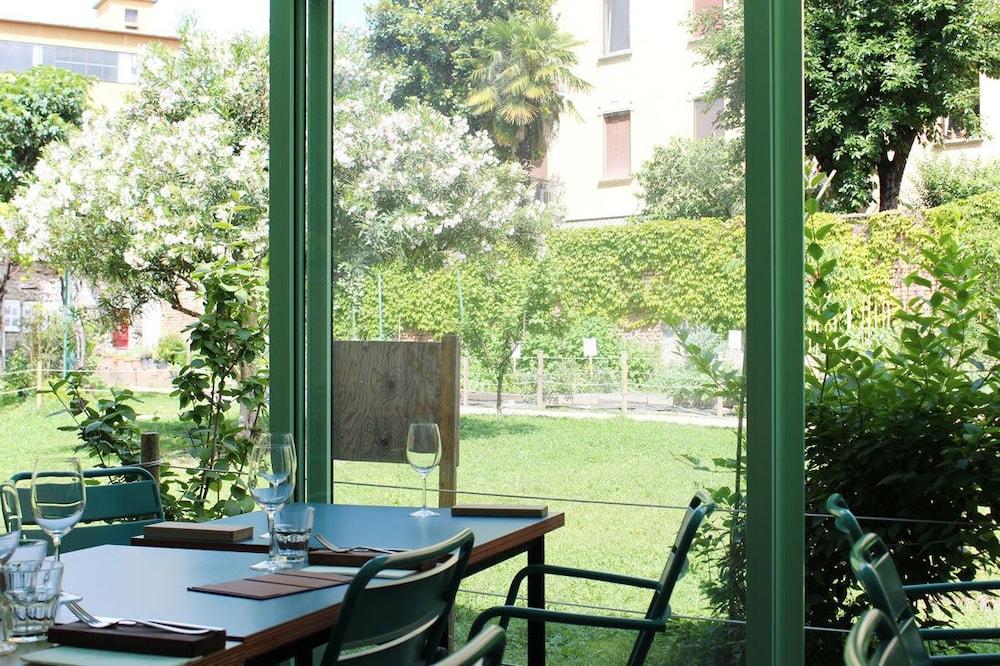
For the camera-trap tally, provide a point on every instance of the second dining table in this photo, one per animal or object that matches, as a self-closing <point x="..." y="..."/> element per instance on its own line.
<point x="302" y="621"/>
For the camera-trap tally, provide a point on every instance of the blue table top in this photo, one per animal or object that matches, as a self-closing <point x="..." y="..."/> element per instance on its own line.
<point x="152" y="583"/>
<point x="348" y="525"/>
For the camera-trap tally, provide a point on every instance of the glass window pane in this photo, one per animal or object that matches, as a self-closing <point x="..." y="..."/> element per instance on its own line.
<point x="15" y="56"/>
<point x="619" y="38"/>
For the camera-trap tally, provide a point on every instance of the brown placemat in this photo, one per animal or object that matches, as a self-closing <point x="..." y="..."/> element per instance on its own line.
<point x="203" y="532"/>
<point x="144" y="640"/>
<point x="274" y="585"/>
<point x="501" y="510"/>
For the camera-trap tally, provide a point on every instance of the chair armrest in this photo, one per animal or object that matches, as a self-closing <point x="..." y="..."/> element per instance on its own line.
<point x="505" y="613"/>
<point x="570" y="572"/>
<point x="957" y="586"/>
<point x="935" y="634"/>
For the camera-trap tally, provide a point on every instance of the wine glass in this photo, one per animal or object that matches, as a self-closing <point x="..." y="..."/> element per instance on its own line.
<point x="423" y="452"/>
<point x="58" y="496"/>
<point x="10" y="535"/>
<point x="272" y="480"/>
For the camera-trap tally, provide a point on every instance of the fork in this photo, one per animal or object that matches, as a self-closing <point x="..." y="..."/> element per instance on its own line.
<point x="103" y="623"/>
<point x="329" y="545"/>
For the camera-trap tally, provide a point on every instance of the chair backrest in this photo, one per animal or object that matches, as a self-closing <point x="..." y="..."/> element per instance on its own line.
<point x="872" y="564"/>
<point x="700" y="507"/>
<point x="844" y="520"/>
<point x="485" y="649"/>
<point x="115" y="512"/>
<point x="380" y="388"/>
<point x="873" y="641"/>
<point x="400" y="621"/>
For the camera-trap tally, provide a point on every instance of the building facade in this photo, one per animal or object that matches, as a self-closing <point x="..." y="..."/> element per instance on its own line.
<point x="641" y="59"/>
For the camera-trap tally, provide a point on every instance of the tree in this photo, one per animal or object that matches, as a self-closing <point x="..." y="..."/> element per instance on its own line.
<point x="878" y="77"/>
<point x="694" y="178"/>
<point x="412" y="183"/>
<point x="37" y="107"/>
<point x="430" y="44"/>
<point x="523" y="72"/>
<point x="141" y="198"/>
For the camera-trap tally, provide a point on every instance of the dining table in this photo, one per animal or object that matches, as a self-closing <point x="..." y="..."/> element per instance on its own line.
<point x="151" y="579"/>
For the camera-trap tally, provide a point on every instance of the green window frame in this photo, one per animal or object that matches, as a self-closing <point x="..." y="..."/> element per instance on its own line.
<point x="301" y="289"/>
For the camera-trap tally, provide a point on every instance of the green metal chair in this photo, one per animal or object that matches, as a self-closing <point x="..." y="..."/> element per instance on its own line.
<point x="846" y="522"/>
<point x="399" y="621"/>
<point x="115" y="512"/>
<point x="873" y="642"/>
<point x="485" y="649"/>
<point x="659" y="606"/>
<point x="872" y="565"/>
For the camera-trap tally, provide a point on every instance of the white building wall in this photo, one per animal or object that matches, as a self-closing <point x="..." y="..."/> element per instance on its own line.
<point x="657" y="82"/>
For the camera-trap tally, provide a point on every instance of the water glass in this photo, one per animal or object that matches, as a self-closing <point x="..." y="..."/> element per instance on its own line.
<point x="30" y="550"/>
<point x="292" y="530"/>
<point x="31" y="591"/>
<point x="10" y="537"/>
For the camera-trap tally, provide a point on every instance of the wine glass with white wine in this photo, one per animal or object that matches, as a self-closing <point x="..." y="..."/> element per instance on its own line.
<point x="423" y="452"/>
<point x="58" y="496"/>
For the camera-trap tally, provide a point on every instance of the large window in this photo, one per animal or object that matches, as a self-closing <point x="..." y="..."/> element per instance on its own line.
<point x="617" y="145"/>
<point x="16" y="56"/>
<point x="90" y="62"/>
<point x="616" y="24"/>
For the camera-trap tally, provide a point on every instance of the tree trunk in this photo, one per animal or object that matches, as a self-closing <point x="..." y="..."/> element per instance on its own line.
<point x="890" y="171"/>
<point x="500" y="393"/>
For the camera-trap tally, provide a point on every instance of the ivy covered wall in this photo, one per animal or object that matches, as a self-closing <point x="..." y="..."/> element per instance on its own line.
<point x="674" y="271"/>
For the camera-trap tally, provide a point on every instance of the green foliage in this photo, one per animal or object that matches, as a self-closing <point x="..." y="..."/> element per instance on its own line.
<point x="692" y="178"/>
<point x="171" y="349"/>
<point x="522" y="76"/>
<point x="228" y="344"/>
<point x="36" y="107"/>
<point x="943" y="180"/>
<point x="106" y="427"/>
<point x="906" y="430"/>
<point x="431" y="43"/>
<point x="878" y="75"/>
<point x="16" y="377"/>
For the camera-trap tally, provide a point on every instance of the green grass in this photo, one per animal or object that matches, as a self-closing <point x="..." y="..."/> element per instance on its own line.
<point x="609" y="460"/>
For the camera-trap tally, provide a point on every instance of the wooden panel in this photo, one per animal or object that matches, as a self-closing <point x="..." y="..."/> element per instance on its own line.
<point x="380" y="388"/>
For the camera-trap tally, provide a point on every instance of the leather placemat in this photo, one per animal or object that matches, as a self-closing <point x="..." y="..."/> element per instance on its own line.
<point x="145" y="640"/>
<point x="501" y="510"/>
<point x="274" y="585"/>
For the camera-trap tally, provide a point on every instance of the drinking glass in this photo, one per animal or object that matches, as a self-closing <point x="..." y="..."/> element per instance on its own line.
<point x="58" y="496"/>
<point x="423" y="452"/>
<point x="10" y="536"/>
<point x="32" y="593"/>
<point x="272" y="480"/>
<point x="292" y="530"/>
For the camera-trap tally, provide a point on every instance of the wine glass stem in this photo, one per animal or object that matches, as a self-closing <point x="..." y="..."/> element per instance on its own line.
<point x="56" y="541"/>
<point x="272" y="553"/>
<point x="425" y="492"/>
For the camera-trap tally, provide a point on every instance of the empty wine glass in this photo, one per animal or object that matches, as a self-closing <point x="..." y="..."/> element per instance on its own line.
<point x="10" y="536"/>
<point x="58" y="496"/>
<point x="272" y="480"/>
<point x="423" y="452"/>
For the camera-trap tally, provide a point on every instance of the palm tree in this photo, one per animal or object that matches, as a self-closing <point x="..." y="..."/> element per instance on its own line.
<point x="520" y="82"/>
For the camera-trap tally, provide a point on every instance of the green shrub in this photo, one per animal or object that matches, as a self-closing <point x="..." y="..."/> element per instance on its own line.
<point x="942" y="180"/>
<point x="17" y="377"/>
<point x="694" y="178"/>
<point x="171" y="349"/>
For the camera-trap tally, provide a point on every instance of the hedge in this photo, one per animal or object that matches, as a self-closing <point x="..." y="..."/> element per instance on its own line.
<point x="673" y="271"/>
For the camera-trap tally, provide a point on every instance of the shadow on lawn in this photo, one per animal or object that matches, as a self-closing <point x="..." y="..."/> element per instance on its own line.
<point x="491" y="427"/>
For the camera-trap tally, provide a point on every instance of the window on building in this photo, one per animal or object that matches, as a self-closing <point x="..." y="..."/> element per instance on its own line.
<point x="617" y="145"/>
<point x="616" y="26"/>
<point x="132" y="19"/>
<point x="705" y="117"/>
<point x="701" y="5"/>
<point x="90" y="62"/>
<point x="703" y="24"/>
<point x="16" y="56"/>
<point x="12" y="316"/>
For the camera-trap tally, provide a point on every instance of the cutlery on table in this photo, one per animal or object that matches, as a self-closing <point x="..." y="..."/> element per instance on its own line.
<point x="104" y="622"/>
<point x="329" y="545"/>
